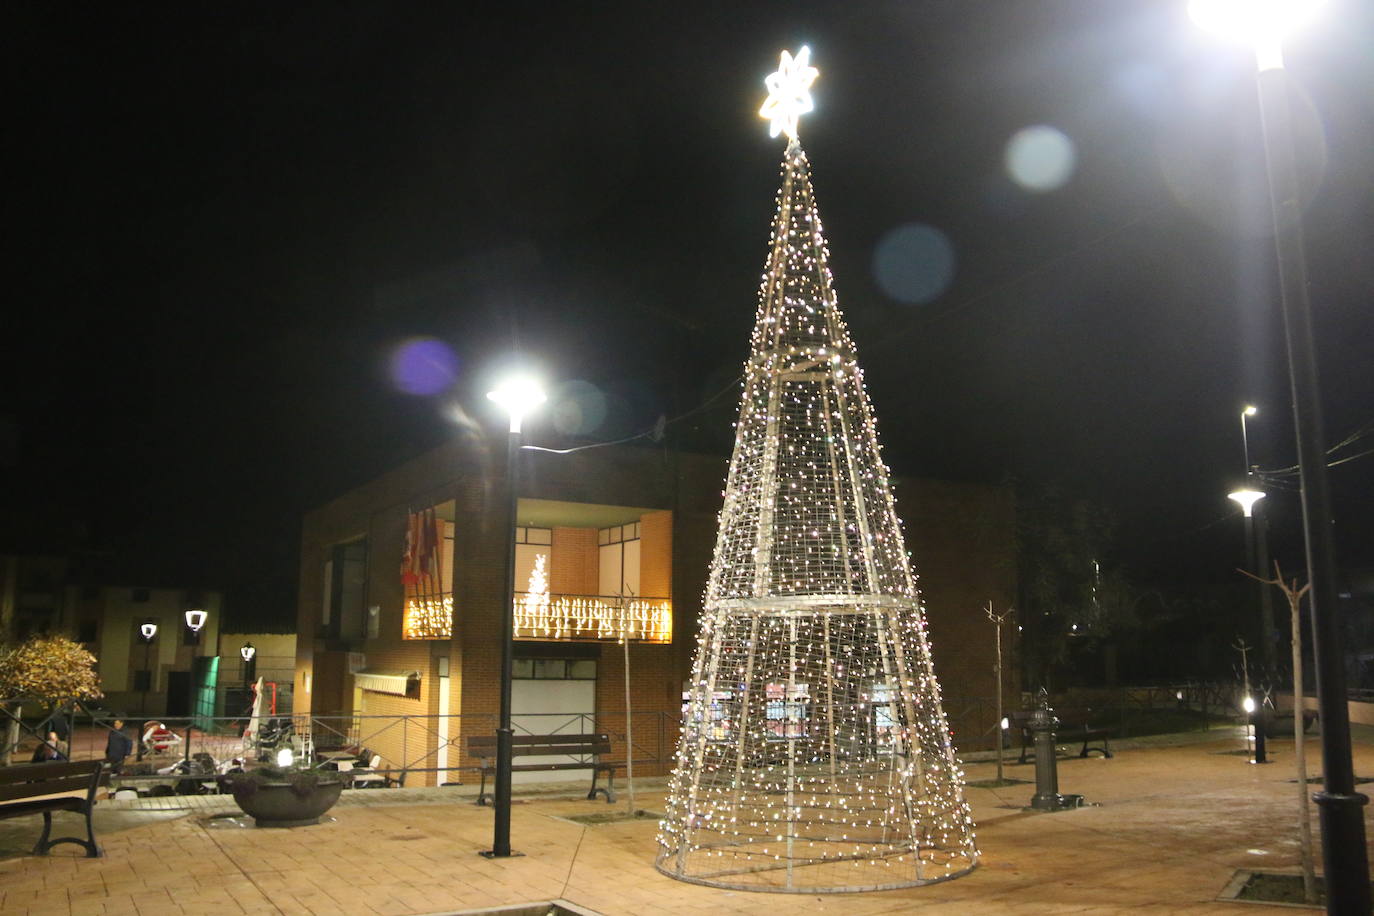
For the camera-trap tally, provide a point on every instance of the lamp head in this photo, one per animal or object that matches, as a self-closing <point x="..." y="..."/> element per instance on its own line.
<point x="1249" y="411"/>
<point x="247" y="651"/>
<point x="1248" y="704"/>
<point x="518" y="395"/>
<point x="195" y="619"/>
<point x="1247" y="497"/>
<point x="147" y="630"/>
<point x="1262" y="23"/>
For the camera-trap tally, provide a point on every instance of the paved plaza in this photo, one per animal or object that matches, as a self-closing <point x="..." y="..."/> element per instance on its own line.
<point x="1170" y="821"/>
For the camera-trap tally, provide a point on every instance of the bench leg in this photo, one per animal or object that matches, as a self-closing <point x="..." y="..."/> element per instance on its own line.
<point x="482" y="790"/>
<point x="42" y="846"/>
<point x="608" y="790"/>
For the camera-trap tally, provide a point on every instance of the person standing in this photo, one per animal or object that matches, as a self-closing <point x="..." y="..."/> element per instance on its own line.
<point x="118" y="746"/>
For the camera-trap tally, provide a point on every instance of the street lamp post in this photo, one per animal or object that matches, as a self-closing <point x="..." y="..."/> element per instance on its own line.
<point x="518" y="397"/>
<point x="195" y="620"/>
<point x="146" y="631"/>
<point x="1257" y="551"/>
<point x="1256" y="559"/>
<point x="1249" y="411"/>
<point x="250" y="663"/>
<point x="1342" y="821"/>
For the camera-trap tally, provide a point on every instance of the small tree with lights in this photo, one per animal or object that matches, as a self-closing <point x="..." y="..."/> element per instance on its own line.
<point x="51" y="670"/>
<point x="815" y="755"/>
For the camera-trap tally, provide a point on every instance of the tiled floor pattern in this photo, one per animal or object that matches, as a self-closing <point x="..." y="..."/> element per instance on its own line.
<point x="1168" y="828"/>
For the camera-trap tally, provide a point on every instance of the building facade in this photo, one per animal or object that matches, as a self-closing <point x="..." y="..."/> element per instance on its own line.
<point x="402" y="587"/>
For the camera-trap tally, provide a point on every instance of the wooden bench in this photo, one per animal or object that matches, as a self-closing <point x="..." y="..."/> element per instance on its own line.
<point x="483" y="747"/>
<point x="42" y="788"/>
<point x="1074" y="724"/>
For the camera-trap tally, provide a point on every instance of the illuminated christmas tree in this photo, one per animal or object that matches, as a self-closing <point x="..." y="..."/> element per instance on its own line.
<point x="815" y="755"/>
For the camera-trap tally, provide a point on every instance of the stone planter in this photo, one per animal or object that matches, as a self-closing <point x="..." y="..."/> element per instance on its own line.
<point x="282" y="804"/>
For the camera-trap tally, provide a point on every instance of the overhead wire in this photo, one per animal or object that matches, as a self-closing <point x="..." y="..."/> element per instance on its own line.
<point x="654" y="432"/>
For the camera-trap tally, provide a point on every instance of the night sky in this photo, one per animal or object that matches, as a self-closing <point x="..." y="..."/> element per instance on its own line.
<point x="224" y="222"/>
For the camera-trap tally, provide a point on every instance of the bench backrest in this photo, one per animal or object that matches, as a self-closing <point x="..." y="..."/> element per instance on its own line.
<point x="1070" y="715"/>
<point x="541" y="745"/>
<point x="31" y="780"/>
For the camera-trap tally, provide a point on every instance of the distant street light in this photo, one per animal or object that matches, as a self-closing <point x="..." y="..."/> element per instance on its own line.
<point x="250" y="664"/>
<point x="1264" y="24"/>
<point x="195" y="620"/>
<point x="518" y="396"/>
<point x="1247" y="498"/>
<point x="1249" y="411"/>
<point x="147" y="630"/>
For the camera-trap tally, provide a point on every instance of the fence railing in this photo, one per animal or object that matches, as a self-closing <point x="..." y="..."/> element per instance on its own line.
<point x="412" y="745"/>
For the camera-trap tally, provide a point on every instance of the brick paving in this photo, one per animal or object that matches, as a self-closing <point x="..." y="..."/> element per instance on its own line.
<point x="1168" y="827"/>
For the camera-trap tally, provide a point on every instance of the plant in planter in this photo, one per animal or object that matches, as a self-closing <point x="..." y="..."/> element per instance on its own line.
<point x="284" y="796"/>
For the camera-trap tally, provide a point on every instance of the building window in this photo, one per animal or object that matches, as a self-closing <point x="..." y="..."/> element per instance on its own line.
<point x="87" y="631"/>
<point x="427" y="573"/>
<point x="554" y="669"/>
<point x="345" y="590"/>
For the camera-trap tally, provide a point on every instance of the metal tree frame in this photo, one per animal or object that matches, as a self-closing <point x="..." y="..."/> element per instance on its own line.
<point x="815" y="756"/>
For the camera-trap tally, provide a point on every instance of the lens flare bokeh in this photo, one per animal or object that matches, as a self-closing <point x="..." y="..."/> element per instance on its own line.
<point x="914" y="263"/>
<point x="423" y="366"/>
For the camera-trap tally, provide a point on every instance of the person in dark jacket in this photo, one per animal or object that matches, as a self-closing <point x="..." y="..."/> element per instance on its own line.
<point x="117" y="746"/>
<point x="49" y="750"/>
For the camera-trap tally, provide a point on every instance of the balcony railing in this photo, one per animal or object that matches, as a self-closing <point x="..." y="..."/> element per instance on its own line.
<point x="428" y="616"/>
<point x="593" y="618"/>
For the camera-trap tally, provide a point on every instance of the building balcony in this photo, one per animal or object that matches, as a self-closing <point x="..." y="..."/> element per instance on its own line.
<point x="592" y="618"/>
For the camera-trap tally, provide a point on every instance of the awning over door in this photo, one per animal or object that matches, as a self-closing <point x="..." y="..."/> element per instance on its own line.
<point x="398" y="683"/>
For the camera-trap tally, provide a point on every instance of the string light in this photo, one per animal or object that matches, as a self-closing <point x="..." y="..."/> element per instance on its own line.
<point x="428" y="617"/>
<point x="815" y="754"/>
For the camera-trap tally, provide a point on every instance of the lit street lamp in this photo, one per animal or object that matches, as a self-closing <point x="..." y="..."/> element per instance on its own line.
<point x="250" y="664"/>
<point x="1249" y="411"/>
<point x="146" y="630"/>
<point x="518" y="396"/>
<point x="195" y="621"/>
<point x="1264" y="23"/>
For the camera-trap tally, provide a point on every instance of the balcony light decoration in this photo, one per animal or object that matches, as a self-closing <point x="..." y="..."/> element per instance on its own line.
<point x="428" y="605"/>
<point x="815" y="755"/>
<point x="593" y="618"/>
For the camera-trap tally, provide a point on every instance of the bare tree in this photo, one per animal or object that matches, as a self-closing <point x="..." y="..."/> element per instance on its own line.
<point x="1294" y="596"/>
<point x="998" y="620"/>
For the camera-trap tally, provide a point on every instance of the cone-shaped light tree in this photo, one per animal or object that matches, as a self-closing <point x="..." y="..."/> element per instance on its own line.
<point x="815" y="755"/>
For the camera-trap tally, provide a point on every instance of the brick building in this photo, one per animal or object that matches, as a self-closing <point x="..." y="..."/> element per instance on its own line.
<point x="592" y="525"/>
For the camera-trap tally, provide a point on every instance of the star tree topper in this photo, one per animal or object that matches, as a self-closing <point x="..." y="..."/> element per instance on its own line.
<point x="789" y="93"/>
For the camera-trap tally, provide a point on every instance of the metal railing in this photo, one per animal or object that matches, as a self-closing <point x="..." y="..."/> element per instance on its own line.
<point x="422" y="744"/>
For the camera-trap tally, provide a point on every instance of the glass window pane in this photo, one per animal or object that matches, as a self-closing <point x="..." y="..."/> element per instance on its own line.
<point x="550" y="669"/>
<point x="603" y="537"/>
<point x="523" y="668"/>
<point x="583" y="669"/>
<point x="541" y="535"/>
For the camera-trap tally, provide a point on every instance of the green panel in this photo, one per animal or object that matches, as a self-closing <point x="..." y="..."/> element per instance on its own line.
<point x="203" y="691"/>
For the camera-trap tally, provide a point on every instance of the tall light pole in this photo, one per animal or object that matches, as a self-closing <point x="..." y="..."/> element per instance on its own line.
<point x="1264" y="23"/>
<point x="1247" y="496"/>
<point x="195" y="620"/>
<point x="518" y="396"/>
<point x="1249" y="411"/>
<point x="250" y="665"/>
<point x="1257" y="551"/>
<point x="146" y="631"/>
